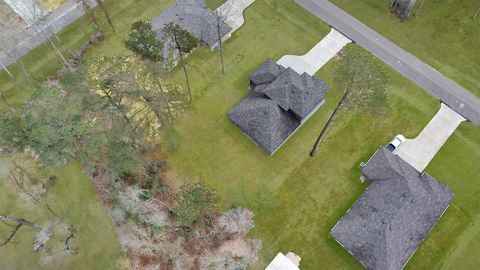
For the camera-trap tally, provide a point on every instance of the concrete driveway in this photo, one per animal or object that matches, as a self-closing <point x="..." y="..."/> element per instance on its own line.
<point x="420" y="151"/>
<point x="318" y="56"/>
<point x="232" y="11"/>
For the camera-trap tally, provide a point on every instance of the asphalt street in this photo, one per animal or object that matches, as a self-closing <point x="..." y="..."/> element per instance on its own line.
<point x="36" y="35"/>
<point x="432" y="81"/>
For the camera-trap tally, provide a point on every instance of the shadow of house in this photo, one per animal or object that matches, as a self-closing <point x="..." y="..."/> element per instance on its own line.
<point x="279" y="102"/>
<point x="388" y="222"/>
<point x="195" y="17"/>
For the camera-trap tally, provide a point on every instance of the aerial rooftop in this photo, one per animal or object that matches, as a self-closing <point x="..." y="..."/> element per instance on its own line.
<point x="385" y="226"/>
<point x="279" y="102"/>
<point x="195" y="17"/>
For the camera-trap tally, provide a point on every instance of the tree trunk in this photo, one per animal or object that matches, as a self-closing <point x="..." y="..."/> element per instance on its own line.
<point x="100" y="3"/>
<point x="418" y="8"/>
<point x="188" y="82"/>
<point x="4" y="98"/>
<point x="183" y="66"/>
<point x="5" y="218"/>
<point x="91" y="12"/>
<point x="57" y="51"/>
<point x="476" y="13"/>
<point x="220" y="46"/>
<point x="63" y="44"/>
<point x="64" y="60"/>
<point x="6" y="69"/>
<point x="328" y="124"/>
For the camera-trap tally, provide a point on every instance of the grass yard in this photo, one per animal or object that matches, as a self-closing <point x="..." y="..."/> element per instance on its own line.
<point x="296" y="199"/>
<point x="42" y="62"/>
<point x="74" y="199"/>
<point x="443" y="34"/>
<point x="73" y="195"/>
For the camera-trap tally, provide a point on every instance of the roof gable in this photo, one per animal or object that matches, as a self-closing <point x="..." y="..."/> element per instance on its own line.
<point x="263" y="121"/>
<point x="297" y="93"/>
<point x="266" y="73"/>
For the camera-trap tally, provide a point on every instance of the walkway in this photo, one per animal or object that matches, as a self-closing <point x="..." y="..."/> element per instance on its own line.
<point x="447" y="91"/>
<point x="318" y="56"/>
<point x="420" y="151"/>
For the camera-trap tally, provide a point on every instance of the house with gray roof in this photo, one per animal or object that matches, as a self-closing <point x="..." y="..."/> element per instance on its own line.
<point x="195" y="17"/>
<point x="279" y="102"/>
<point x="397" y="211"/>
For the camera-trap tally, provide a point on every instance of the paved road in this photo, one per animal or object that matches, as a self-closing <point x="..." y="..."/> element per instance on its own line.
<point x="53" y="22"/>
<point x="438" y="85"/>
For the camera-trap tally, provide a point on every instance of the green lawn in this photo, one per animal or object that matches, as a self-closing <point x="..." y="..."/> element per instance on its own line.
<point x="74" y="194"/>
<point x="443" y="34"/>
<point x="74" y="199"/>
<point x="42" y="62"/>
<point x="296" y="199"/>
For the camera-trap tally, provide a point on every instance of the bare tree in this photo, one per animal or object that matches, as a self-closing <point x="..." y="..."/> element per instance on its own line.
<point x="109" y="19"/>
<point x="36" y="16"/>
<point x="476" y="13"/>
<point x="4" y="99"/>
<point x="6" y="70"/>
<point x="91" y="12"/>
<point x="401" y="8"/>
<point x="184" y="43"/>
<point x="417" y="10"/>
<point x="329" y="123"/>
<point x="222" y="14"/>
<point x="236" y="221"/>
<point x="9" y="48"/>
<point x="4" y="39"/>
<point x="28" y="185"/>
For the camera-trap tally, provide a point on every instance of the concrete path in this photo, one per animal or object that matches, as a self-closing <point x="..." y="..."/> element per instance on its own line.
<point x="232" y="10"/>
<point x="420" y="151"/>
<point x="318" y="56"/>
<point x="438" y="85"/>
<point x="52" y="23"/>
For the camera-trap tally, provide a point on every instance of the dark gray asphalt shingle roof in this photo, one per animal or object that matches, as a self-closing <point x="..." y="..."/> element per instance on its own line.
<point x="277" y="104"/>
<point x="263" y="121"/>
<point x="298" y="93"/>
<point x="195" y="17"/>
<point x="266" y="73"/>
<point x="394" y="215"/>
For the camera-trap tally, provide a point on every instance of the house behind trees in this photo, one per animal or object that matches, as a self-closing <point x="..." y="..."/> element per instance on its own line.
<point x="195" y="17"/>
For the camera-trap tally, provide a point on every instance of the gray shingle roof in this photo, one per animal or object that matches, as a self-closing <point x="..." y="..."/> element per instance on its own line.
<point x="263" y="121"/>
<point x="277" y="105"/>
<point x="266" y="73"/>
<point x="394" y="215"/>
<point x="195" y="17"/>
<point x="298" y="93"/>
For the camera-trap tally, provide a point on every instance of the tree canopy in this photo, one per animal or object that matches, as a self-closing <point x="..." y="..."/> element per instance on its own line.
<point x="183" y="40"/>
<point x="128" y="87"/>
<point x="367" y="81"/>
<point x="194" y="202"/>
<point x="143" y="41"/>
